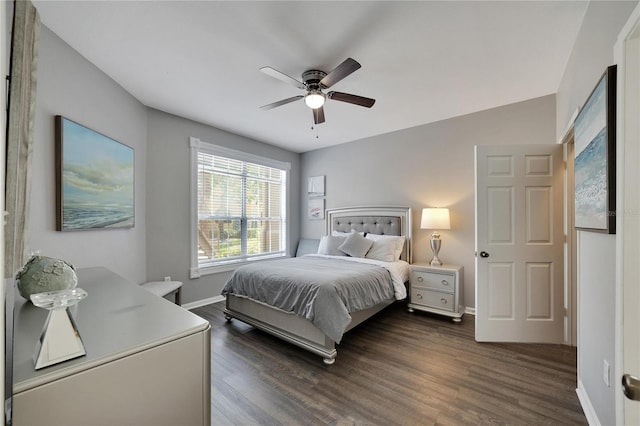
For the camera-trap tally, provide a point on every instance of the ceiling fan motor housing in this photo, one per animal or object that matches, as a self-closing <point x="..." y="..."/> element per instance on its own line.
<point x="311" y="79"/>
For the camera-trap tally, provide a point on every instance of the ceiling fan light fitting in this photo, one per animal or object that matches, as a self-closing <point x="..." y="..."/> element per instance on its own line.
<point x="314" y="99"/>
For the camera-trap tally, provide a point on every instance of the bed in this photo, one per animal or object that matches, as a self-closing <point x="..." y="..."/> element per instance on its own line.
<point x="313" y="335"/>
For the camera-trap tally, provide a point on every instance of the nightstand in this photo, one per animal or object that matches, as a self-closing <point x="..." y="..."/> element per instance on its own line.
<point x="437" y="289"/>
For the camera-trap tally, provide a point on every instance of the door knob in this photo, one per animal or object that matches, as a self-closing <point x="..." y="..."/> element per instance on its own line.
<point x="631" y="387"/>
<point x="484" y="254"/>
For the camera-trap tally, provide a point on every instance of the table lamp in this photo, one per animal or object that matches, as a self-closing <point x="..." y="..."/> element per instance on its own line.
<point x="435" y="218"/>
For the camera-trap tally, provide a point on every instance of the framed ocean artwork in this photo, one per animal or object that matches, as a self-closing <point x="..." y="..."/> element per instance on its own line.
<point x="595" y="158"/>
<point x="94" y="179"/>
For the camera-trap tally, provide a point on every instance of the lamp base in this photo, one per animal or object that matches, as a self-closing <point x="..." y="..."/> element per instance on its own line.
<point x="435" y="248"/>
<point x="435" y="261"/>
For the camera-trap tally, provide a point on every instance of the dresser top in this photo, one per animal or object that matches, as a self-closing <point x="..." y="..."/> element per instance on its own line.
<point x="117" y="319"/>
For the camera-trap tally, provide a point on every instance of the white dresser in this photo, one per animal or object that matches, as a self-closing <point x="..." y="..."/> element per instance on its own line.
<point x="147" y="361"/>
<point x="437" y="289"/>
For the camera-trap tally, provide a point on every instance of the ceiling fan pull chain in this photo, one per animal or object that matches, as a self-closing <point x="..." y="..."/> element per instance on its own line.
<point x="314" y="128"/>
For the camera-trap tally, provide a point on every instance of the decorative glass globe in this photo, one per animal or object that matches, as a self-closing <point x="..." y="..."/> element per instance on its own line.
<point x="44" y="274"/>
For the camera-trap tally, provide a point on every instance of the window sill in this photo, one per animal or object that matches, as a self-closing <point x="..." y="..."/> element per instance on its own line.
<point x="198" y="271"/>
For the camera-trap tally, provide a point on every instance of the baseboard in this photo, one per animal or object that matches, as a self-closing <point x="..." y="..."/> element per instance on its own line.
<point x="203" y="302"/>
<point x="587" y="407"/>
<point x="470" y="311"/>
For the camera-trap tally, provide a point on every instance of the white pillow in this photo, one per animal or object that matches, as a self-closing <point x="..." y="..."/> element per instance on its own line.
<point x="329" y="245"/>
<point x="355" y="245"/>
<point x="383" y="249"/>
<point x="398" y="240"/>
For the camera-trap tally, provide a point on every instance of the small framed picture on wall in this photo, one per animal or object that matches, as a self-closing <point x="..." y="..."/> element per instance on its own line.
<point x="315" y="209"/>
<point x="316" y="187"/>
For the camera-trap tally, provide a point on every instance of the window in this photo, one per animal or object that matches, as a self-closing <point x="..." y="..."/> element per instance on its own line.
<point x="238" y="208"/>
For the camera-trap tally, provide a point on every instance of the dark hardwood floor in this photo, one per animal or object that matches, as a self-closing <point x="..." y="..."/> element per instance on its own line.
<point x="396" y="368"/>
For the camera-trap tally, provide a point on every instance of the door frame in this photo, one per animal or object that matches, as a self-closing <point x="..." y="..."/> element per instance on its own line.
<point x="571" y="239"/>
<point x="627" y="220"/>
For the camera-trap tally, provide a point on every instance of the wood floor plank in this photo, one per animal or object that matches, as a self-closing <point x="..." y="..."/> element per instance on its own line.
<point x="396" y="368"/>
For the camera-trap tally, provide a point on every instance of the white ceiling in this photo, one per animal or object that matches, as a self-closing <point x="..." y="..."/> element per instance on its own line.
<point x="421" y="61"/>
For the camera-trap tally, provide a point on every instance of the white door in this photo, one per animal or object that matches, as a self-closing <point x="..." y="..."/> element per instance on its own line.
<point x="519" y="243"/>
<point x="627" y="55"/>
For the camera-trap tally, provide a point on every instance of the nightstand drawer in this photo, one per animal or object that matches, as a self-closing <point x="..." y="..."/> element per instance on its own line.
<point x="434" y="299"/>
<point x="434" y="280"/>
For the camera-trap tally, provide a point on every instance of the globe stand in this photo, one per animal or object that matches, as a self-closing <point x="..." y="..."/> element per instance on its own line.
<point x="60" y="340"/>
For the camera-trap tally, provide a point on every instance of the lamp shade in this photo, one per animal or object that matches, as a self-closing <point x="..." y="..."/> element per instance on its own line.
<point x="435" y="218"/>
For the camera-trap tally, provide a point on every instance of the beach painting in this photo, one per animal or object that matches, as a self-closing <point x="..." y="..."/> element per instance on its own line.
<point x="594" y="139"/>
<point x="95" y="179"/>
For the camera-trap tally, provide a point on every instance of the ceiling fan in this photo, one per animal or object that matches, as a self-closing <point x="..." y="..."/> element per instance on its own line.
<point x="313" y="82"/>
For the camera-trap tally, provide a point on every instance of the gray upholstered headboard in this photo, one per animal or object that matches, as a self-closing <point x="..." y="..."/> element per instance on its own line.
<point x="374" y="220"/>
<point x="383" y="225"/>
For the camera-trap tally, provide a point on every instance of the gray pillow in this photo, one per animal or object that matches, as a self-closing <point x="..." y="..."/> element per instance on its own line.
<point x="307" y="246"/>
<point x="355" y="245"/>
<point x="329" y="245"/>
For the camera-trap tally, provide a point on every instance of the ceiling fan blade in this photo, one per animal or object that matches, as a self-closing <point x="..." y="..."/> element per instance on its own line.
<point x="318" y="115"/>
<point x="282" y="77"/>
<point x="352" y="99"/>
<point x="280" y="103"/>
<point x="341" y="71"/>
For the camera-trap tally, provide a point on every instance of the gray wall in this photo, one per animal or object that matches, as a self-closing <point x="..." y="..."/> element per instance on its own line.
<point x="427" y="166"/>
<point x="168" y="182"/>
<point x="592" y="53"/>
<point x="71" y="86"/>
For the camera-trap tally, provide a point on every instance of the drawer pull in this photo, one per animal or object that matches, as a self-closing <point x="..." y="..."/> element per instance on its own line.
<point x="420" y="279"/>
<point x="419" y="296"/>
<point x="444" y="282"/>
<point x="444" y="301"/>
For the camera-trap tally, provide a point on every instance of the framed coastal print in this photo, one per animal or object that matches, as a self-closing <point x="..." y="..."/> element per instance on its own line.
<point x="315" y="187"/>
<point x="595" y="158"/>
<point x="315" y="208"/>
<point x="94" y="179"/>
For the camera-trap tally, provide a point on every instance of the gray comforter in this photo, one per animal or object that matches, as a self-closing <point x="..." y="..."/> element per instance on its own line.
<point x="322" y="290"/>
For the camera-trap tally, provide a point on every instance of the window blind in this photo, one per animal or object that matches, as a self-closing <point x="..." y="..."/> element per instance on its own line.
<point x="241" y="209"/>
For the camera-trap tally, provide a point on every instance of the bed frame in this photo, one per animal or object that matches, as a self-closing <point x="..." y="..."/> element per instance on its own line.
<point x="299" y="331"/>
